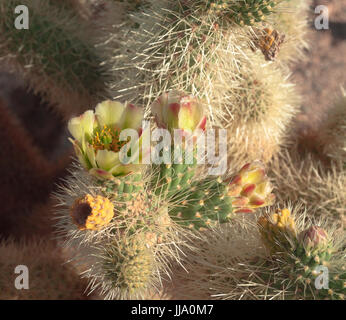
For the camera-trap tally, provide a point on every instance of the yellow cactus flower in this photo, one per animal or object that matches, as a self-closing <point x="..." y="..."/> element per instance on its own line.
<point x="275" y="229"/>
<point x="92" y="213"/>
<point x="97" y="138"/>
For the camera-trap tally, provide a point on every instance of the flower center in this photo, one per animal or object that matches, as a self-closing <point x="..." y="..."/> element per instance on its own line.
<point x="107" y="138"/>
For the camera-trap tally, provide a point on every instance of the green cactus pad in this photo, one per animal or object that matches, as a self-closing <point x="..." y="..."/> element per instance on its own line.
<point x="122" y="187"/>
<point x="304" y="270"/>
<point x="241" y="12"/>
<point x="246" y="12"/>
<point x="192" y="202"/>
<point x="205" y="203"/>
<point x="173" y="178"/>
<point x="129" y="267"/>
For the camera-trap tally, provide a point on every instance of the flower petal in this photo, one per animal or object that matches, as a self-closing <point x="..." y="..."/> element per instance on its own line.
<point x="79" y="153"/>
<point x="132" y="117"/>
<point x="90" y="153"/>
<point x="106" y="159"/>
<point x="99" y="173"/>
<point x="202" y="124"/>
<point x="120" y="170"/>
<point x="190" y="113"/>
<point x="81" y="126"/>
<point x="109" y="112"/>
<point x="157" y="109"/>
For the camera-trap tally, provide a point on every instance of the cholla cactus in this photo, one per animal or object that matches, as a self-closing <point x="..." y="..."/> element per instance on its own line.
<point x="126" y="268"/>
<point x="232" y="264"/>
<point x="124" y="215"/>
<point x="136" y="217"/>
<point x="184" y="45"/>
<point x="262" y="105"/>
<point x="55" y="56"/>
<point x="304" y="253"/>
<point x="121" y="219"/>
<point x="201" y="203"/>
<point x="246" y="12"/>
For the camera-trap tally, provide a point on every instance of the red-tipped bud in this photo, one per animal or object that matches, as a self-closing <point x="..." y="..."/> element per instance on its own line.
<point x="314" y="237"/>
<point x="177" y="110"/>
<point x="252" y="184"/>
<point x="248" y="190"/>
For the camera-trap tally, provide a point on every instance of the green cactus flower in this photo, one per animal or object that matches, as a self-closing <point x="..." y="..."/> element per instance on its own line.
<point x="98" y="140"/>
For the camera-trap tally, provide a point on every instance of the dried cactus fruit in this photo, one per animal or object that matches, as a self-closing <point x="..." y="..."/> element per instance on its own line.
<point x="92" y="212"/>
<point x="291" y="19"/>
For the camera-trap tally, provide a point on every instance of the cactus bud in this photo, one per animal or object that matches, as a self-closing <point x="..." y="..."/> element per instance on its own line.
<point x="275" y="228"/>
<point x="251" y="188"/>
<point x="313" y="237"/>
<point x="176" y="110"/>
